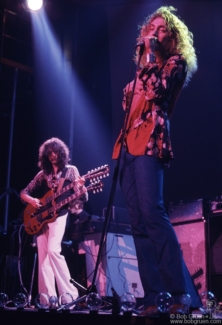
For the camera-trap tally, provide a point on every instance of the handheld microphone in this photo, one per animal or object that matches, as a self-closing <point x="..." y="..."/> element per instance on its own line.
<point x="151" y="56"/>
<point x="142" y="43"/>
<point x="153" y="41"/>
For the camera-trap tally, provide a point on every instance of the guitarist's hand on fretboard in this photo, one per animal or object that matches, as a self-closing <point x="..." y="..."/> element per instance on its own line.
<point x="80" y="183"/>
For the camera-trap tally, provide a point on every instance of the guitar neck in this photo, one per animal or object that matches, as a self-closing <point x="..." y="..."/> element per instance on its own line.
<point x="65" y="189"/>
<point x="95" y="187"/>
<point x="60" y="204"/>
<point x="92" y="175"/>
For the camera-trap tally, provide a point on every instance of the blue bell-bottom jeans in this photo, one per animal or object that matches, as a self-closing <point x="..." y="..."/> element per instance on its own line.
<point x="160" y="261"/>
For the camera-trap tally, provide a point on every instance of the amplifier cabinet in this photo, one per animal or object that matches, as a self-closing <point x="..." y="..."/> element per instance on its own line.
<point x="215" y="254"/>
<point x="118" y="267"/>
<point x="215" y="243"/>
<point x="191" y="237"/>
<point x="190" y="226"/>
<point x="186" y="212"/>
<point x="118" y="215"/>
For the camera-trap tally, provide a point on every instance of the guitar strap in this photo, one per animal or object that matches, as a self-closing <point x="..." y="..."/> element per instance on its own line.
<point x="62" y="179"/>
<point x="60" y="185"/>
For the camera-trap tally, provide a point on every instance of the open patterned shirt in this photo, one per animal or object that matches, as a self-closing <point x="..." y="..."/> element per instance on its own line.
<point x="148" y="128"/>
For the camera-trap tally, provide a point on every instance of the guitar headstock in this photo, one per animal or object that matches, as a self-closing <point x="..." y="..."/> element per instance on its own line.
<point x="96" y="187"/>
<point x="97" y="173"/>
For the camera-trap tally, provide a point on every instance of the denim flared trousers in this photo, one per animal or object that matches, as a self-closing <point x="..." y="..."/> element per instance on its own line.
<point x="160" y="262"/>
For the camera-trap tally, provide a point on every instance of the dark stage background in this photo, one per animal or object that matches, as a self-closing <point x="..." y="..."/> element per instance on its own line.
<point x="100" y="36"/>
<point x="98" y="39"/>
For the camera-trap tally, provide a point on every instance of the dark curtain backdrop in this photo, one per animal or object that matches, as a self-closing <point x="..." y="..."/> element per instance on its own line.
<point x="101" y="39"/>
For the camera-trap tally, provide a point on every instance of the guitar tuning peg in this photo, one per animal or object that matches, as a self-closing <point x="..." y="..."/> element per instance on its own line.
<point x="101" y="189"/>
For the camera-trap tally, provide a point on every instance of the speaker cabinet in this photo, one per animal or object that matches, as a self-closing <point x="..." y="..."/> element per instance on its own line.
<point x="118" y="267"/>
<point x="191" y="237"/>
<point x="215" y="242"/>
<point x="190" y="227"/>
<point x="215" y="253"/>
<point x="118" y="215"/>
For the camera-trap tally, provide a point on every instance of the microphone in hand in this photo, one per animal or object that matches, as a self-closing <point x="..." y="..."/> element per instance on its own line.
<point x="153" y="41"/>
<point x="151" y="56"/>
<point x="141" y="43"/>
<point x="151" y="45"/>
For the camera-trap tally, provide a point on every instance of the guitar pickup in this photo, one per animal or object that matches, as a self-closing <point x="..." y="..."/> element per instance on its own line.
<point x="49" y="199"/>
<point x="39" y="217"/>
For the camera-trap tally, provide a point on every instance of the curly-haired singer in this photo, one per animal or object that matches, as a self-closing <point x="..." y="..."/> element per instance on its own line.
<point x="167" y="64"/>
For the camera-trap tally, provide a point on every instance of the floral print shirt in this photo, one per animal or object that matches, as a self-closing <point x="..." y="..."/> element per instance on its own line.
<point x="155" y="104"/>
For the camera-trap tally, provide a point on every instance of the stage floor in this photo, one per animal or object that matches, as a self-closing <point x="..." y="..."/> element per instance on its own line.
<point x="33" y="316"/>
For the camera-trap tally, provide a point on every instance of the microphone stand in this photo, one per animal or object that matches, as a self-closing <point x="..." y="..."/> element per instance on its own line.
<point x="115" y="177"/>
<point x="92" y="287"/>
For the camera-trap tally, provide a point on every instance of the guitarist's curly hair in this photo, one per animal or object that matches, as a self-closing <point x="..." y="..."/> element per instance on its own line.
<point x="58" y="146"/>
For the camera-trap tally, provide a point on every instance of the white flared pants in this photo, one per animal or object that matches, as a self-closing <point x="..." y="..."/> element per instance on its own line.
<point x="51" y="264"/>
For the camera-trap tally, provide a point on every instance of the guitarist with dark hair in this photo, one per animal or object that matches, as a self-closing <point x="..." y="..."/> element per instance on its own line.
<point x="55" y="174"/>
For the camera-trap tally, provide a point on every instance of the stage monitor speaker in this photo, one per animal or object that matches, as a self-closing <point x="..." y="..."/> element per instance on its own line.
<point x="190" y="227"/>
<point x="119" y="266"/>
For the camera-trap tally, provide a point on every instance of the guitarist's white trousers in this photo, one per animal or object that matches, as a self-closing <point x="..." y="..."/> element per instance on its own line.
<point x="52" y="265"/>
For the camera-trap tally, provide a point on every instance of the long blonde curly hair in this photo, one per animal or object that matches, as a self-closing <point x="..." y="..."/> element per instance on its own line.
<point x="182" y="38"/>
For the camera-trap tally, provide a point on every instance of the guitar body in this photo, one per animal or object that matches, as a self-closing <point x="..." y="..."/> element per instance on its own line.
<point x="34" y="219"/>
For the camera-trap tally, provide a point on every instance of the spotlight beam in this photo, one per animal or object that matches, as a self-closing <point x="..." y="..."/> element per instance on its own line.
<point x="33" y="5"/>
